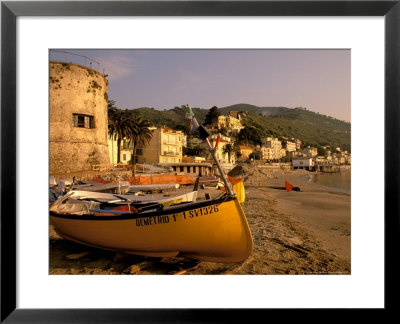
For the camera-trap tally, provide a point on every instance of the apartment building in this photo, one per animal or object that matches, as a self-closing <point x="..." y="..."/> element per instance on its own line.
<point x="164" y="147"/>
<point x="275" y="147"/>
<point x="265" y="153"/>
<point x="291" y="146"/>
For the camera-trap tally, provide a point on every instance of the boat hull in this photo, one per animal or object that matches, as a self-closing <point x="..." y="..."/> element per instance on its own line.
<point x="208" y="230"/>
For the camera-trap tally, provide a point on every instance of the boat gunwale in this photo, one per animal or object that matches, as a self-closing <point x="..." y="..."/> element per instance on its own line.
<point x="165" y="211"/>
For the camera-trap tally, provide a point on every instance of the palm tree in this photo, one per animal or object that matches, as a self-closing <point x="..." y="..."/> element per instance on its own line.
<point x="228" y="149"/>
<point x="118" y="126"/>
<point x="140" y="135"/>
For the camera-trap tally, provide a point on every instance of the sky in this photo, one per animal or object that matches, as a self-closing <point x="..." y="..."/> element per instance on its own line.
<point x="318" y="80"/>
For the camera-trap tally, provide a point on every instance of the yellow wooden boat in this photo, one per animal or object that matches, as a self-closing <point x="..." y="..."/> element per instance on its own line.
<point x="211" y="230"/>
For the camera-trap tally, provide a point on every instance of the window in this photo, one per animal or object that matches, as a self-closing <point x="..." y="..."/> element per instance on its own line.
<point x="124" y="157"/>
<point x="83" y="121"/>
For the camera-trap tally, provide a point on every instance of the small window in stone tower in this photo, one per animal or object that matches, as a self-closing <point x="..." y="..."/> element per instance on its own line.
<point x="83" y="121"/>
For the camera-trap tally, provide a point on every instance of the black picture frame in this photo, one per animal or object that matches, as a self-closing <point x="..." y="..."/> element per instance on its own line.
<point x="10" y="10"/>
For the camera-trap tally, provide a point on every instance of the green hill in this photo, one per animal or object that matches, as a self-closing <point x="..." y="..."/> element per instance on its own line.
<point x="173" y="117"/>
<point x="266" y="111"/>
<point x="311" y="128"/>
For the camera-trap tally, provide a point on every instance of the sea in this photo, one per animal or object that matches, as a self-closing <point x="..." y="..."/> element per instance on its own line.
<point x="339" y="180"/>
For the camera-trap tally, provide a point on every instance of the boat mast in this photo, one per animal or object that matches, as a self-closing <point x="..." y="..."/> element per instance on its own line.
<point x="213" y="150"/>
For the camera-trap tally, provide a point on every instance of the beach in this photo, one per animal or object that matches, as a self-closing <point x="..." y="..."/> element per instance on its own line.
<point x="296" y="232"/>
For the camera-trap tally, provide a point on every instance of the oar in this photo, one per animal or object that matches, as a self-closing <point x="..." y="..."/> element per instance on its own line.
<point x="122" y="198"/>
<point x="60" y="200"/>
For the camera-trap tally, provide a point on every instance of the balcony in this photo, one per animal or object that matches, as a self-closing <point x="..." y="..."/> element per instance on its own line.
<point x="171" y="153"/>
<point x="170" y="142"/>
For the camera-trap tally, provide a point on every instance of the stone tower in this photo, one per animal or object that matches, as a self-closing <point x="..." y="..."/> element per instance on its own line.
<point x="78" y="98"/>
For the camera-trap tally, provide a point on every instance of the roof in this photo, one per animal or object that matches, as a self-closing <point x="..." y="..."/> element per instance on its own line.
<point x="190" y="164"/>
<point x="243" y="147"/>
<point x="171" y="130"/>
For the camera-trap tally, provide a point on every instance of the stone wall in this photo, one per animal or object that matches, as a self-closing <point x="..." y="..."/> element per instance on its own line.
<point x="80" y="91"/>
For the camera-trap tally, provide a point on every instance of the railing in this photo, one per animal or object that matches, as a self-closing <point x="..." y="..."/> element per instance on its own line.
<point x="171" y="153"/>
<point x="68" y="57"/>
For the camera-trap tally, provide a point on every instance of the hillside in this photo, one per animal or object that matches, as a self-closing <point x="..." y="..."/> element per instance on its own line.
<point x="172" y="117"/>
<point x="265" y="111"/>
<point x="311" y="128"/>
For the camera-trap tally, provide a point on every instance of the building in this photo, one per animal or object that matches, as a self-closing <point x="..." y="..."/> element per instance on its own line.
<point x="234" y="114"/>
<point x="291" y="146"/>
<point x="275" y="147"/>
<point x="229" y="122"/>
<point x="221" y="155"/>
<point x="164" y="147"/>
<point x="292" y="155"/>
<point x="265" y="153"/>
<point x="298" y="144"/>
<point x="245" y="151"/>
<point x="126" y="151"/>
<point x="78" y="122"/>
<point x="283" y="152"/>
<point x="184" y="140"/>
<point x="306" y="163"/>
<point x="310" y="151"/>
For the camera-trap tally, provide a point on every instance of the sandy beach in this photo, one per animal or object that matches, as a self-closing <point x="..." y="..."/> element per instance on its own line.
<point x="297" y="232"/>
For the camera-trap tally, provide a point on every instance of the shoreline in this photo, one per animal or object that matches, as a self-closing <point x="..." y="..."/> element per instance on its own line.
<point x="322" y="210"/>
<point x="325" y="176"/>
<point x="306" y="232"/>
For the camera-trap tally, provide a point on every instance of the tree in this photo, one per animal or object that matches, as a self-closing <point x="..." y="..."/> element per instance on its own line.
<point x="250" y="134"/>
<point x="118" y="127"/>
<point x="125" y="124"/>
<point x="184" y="128"/>
<point x="140" y="134"/>
<point x="228" y="149"/>
<point x="212" y="115"/>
